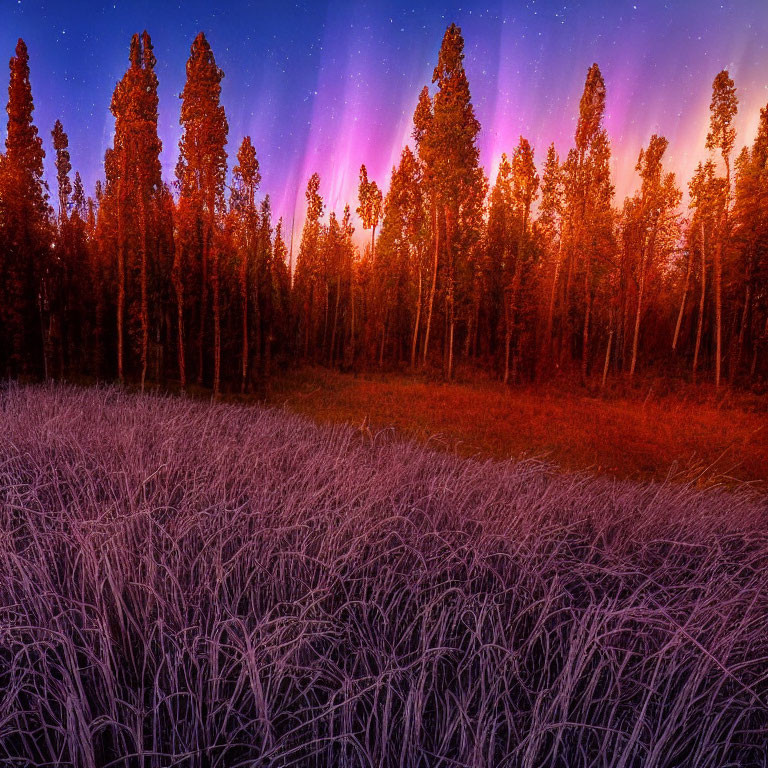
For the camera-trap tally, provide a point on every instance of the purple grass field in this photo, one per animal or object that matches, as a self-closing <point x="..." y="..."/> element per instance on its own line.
<point x="196" y="585"/>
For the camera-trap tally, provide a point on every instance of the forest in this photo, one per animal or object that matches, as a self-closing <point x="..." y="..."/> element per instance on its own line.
<point x="535" y="275"/>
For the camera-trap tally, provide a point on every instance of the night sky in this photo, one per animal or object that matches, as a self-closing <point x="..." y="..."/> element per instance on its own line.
<point x="325" y="86"/>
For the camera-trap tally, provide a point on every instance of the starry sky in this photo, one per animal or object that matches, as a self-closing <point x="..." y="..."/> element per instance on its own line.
<point x="325" y="85"/>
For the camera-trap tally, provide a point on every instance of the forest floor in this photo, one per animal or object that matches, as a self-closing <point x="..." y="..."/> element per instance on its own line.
<point x="689" y="435"/>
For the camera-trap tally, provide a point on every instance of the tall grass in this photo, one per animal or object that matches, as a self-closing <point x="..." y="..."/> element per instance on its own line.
<point x="184" y="584"/>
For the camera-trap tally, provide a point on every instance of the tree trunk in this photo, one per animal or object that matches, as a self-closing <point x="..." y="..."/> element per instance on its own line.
<point x="607" y="362"/>
<point x="216" y="324"/>
<point x="552" y="295"/>
<point x="507" y="343"/>
<point x="700" y="323"/>
<point x="120" y="289"/>
<point x="431" y="303"/>
<point x="587" y="317"/>
<point x="383" y="338"/>
<point x="144" y="298"/>
<point x="203" y="308"/>
<point x="244" y="301"/>
<point x="640" y="291"/>
<point x="257" y="358"/>
<point x="718" y="308"/>
<point x="44" y="336"/>
<point x="565" y="334"/>
<point x="743" y="325"/>
<point x="178" y="285"/>
<point x="352" y="321"/>
<point x="325" y="320"/>
<point x="373" y="243"/>
<point x="335" y="318"/>
<point x="682" y="301"/>
<point x="415" y="339"/>
<point x="719" y="274"/>
<point x="451" y="294"/>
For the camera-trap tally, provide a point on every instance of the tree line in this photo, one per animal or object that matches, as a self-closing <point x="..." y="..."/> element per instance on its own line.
<point x="539" y="274"/>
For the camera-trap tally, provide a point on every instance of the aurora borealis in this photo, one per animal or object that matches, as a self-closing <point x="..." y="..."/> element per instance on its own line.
<point x="326" y="86"/>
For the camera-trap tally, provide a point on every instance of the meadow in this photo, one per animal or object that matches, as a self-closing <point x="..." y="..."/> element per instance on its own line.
<point x="658" y="429"/>
<point x="218" y="585"/>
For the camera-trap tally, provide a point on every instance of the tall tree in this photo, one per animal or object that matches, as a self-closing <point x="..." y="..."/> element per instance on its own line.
<point x="424" y="136"/>
<point x="588" y="200"/>
<point x="525" y="185"/>
<point x="247" y="180"/>
<point x="460" y="184"/>
<point x="63" y="167"/>
<point x="551" y="223"/>
<point x="721" y="137"/>
<point x="750" y="216"/>
<point x="370" y="205"/>
<point x="65" y="271"/>
<point x="308" y="267"/>
<point x="707" y="194"/>
<point x="134" y="182"/>
<point x="652" y="214"/>
<point x="26" y="253"/>
<point x="402" y="271"/>
<point x="201" y="172"/>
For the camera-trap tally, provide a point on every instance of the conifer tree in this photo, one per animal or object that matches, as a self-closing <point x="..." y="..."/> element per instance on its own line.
<point x="201" y="172"/>
<point x="750" y="216"/>
<point x="25" y="257"/>
<point x="402" y="273"/>
<point x="551" y="223"/>
<point x="247" y="180"/>
<point x="500" y="245"/>
<point x="652" y="214"/>
<point x="281" y="292"/>
<point x="262" y="304"/>
<point x="63" y="167"/>
<point x="424" y="136"/>
<point x="707" y="194"/>
<point x="308" y="267"/>
<point x="133" y="184"/>
<point x="721" y="137"/>
<point x="524" y="190"/>
<point x="370" y="204"/>
<point x="65" y="272"/>
<point x="460" y="184"/>
<point x="589" y="193"/>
